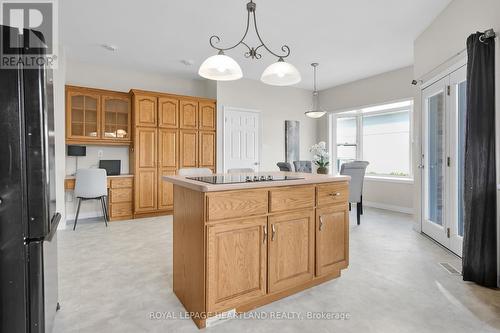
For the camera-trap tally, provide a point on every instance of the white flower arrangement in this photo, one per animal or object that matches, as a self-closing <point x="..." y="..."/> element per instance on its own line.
<point x="321" y="156"/>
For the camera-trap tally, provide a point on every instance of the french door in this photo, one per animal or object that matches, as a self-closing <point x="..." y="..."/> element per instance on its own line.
<point x="443" y="143"/>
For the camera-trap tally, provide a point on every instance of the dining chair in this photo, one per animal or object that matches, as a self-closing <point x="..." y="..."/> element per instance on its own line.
<point x="240" y="170"/>
<point x="356" y="170"/>
<point x="194" y="172"/>
<point x="303" y="166"/>
<point x="284" y="166"/>
<point x="91" y="184"/>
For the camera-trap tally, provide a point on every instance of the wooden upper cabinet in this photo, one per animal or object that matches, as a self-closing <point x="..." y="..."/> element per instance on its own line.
<point x="207" y="117"/>
<point x="291" y="249"/>
<point x="188" y="114"/>
<point x="83" y="113"/>
<point x="145" y="110"/>
<point x="167" y="148"/>
<point x="332" y="239"/>
<point x="168" y="112"/>
<point x="116" y="117"/>
<point x="236" y="263"/>
<point x="145" y="142"/>
<point x="206" y="149"/>
<point x="188" y="149"/>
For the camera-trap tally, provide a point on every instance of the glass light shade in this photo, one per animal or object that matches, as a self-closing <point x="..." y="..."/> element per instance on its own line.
<point x="220" y="67"/>
<point x="280" y="74"/>
<point x="315" y="113"/>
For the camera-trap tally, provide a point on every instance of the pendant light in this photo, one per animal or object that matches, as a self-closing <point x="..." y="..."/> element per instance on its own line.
<point x="316" y="111"/>
<point x="221" y="67"/>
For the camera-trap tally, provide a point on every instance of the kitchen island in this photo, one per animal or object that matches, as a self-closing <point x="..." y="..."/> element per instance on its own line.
<point x="238" y="246"/>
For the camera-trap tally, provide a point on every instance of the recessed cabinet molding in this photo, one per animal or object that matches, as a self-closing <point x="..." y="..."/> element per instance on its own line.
<point x="96" y="116"/>
<point x="180" y="141"/>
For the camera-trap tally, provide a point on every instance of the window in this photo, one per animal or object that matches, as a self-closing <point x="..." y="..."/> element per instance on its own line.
<point x="380" y="135"/>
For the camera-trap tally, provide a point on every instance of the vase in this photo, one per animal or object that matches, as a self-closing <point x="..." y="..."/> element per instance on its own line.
<point x="322" y="170"/>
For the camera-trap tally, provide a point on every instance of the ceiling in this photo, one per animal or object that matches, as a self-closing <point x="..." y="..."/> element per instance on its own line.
<point x="350" y="39"/>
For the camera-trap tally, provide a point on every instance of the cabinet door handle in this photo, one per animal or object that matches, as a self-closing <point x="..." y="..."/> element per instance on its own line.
<point x="320" y="223"/>
<point x="334" y="194"/>
<point x="273" y="232"/>
<point x="265" y="235"/>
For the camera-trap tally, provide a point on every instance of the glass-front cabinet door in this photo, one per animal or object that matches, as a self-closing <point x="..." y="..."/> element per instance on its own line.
<point x="83" y="116"/>
<point x="116" y="118"/>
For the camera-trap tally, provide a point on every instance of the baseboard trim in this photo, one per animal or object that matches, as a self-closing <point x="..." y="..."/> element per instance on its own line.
<point x="393" y="208"/>
<point x="83" y="215"/>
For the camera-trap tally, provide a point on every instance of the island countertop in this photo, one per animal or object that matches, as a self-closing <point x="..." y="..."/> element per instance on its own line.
<point x="307" y="178"/>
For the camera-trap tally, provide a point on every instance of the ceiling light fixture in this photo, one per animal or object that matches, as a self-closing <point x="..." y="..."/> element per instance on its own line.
<point x="316" y="111"/>
<point x="110" y="47"/>
<point x="221" y="67"/>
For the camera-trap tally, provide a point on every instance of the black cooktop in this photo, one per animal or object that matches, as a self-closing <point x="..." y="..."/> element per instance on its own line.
<point x="242" y="178"/>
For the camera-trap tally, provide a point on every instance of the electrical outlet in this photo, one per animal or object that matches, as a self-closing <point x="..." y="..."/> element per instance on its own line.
<point x="100" y="153"/>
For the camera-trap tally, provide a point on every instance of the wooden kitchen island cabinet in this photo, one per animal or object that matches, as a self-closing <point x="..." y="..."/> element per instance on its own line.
<point x="240" y="246"/>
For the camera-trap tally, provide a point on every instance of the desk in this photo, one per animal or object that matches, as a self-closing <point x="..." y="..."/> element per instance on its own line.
<point x="120" y="195"/>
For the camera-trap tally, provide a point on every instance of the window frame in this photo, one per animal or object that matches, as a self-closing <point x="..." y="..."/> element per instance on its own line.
<point x="358" y="113"/>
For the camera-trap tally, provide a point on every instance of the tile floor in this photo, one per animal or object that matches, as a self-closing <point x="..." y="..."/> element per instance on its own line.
<point x="112" y="279"/>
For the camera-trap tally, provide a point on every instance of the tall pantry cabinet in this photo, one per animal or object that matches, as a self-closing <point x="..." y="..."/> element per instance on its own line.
<point x="170" y="132"/>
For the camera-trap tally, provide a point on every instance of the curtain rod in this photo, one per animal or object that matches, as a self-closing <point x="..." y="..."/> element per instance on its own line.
<point x="490" y="33"/>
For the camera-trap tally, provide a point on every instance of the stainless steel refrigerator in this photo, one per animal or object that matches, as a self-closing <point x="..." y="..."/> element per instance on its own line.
<point x="28" y="217"/>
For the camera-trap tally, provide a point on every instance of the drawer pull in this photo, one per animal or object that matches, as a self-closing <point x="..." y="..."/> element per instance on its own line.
<point x="273" y="232"/>
<point x="265" y="235"/>
<point x="336" y="194"/>
<point x="320" y="223"/>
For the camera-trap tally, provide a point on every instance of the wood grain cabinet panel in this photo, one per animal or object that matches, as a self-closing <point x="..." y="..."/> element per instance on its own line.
<point x="207" y="117"/>
<point x="145" y="190"/>
<point x="121" y="182"/>
<point x="236" y="263"/>
<point x="145" y="141"/>
<point x="117" y="195"/>
<point x="332" y="239"/>
<point x="167" y="148"/>
<point x="188" y="114"/>
<point x="145" y="111"/>
<point x="289" y="198"/>
<point x="234" y="204"/>
<point x="206" y="149"/>
<point x="291" y="249"/>
<point x="188" y="149"/>
<point x="165" y="190"/>
<point x="168" y="112"/>
<point x="121" y="211"/>
<point x="332" y="193"/>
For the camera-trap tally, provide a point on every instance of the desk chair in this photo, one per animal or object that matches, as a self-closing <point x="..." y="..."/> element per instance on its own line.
<point x="194" y="172"/>
<point x="91" y="184"/>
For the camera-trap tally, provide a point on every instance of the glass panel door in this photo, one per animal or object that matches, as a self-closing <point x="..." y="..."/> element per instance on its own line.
<point x="434" y="156"/>
<point x="443" y="148"/>
<point x="116" y="118"/>
<point x="458" y="105"/>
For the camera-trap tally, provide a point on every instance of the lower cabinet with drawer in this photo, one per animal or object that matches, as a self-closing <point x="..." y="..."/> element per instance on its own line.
<point x="240" y="249"/>
<point x="120" y="198"/>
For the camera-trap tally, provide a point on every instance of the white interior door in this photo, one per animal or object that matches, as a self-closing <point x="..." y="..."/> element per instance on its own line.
<point x="443" y="144"/>
<point x="241" y="139"/>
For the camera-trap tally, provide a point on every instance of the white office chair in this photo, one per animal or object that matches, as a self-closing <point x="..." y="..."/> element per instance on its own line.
<point x="240" y="170"/>
<point x="91" y="184"/>
<point x="194" y="172"/>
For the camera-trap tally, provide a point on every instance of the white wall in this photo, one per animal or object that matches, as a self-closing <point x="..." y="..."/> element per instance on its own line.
<point x="123" y="79"/>
<point x="436" y="47"/>
<point x="276" y="105"/>
<point x="379" y="89"/>
<point x="60" y="133"/>
<point x="118" y="79"/>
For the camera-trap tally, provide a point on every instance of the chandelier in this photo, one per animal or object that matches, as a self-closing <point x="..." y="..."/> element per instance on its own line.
<point x="221" y="67"/>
